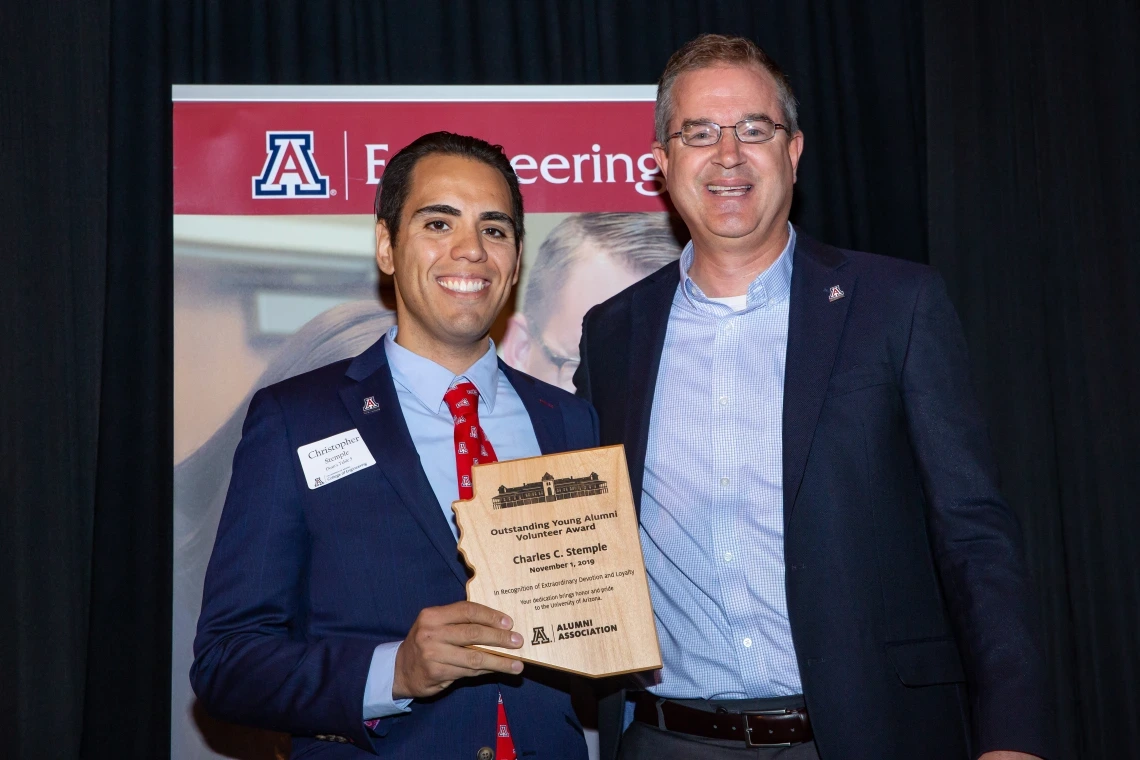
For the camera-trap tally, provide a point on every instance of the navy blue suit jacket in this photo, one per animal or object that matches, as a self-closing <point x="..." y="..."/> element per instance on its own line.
<point x="303" y="584"/>
<point x="908" y="594"/>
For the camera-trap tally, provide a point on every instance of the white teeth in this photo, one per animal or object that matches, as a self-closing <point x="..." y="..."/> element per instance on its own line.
<point x="462" y="284"/>
<point x="729" y="190"/>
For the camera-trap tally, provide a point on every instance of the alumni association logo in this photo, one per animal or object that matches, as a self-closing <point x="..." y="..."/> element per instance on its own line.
<point x="290" y="170"/>
<point x="540" y="636"/>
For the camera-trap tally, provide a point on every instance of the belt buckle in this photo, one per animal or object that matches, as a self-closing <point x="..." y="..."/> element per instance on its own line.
<point x="748" y="729"/>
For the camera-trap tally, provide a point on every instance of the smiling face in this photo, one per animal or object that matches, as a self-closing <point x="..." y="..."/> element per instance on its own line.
<point x="455" y="258"/>
<point x="734" y="196"/>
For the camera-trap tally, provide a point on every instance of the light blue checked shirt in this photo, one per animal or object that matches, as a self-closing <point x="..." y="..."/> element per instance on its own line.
<point x="712" y="525"/>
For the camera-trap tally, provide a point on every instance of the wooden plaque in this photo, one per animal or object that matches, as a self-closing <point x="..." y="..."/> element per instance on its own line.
<point x="554" y="543"/>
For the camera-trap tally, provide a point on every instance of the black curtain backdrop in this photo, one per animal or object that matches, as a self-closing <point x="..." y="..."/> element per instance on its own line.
<point x="996" y="140"/>
<point x="85" y="380"/>
<point x="1033" y="115"/>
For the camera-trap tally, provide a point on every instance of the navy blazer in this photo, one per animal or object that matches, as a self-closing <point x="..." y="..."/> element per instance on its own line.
<point x="908" y="594"/>
<point x="303" y="584"/>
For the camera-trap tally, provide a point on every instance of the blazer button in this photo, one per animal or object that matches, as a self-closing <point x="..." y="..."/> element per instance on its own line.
<point x="485" y="753"/>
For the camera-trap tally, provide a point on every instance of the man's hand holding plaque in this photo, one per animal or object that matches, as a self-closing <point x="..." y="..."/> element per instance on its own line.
<point x="437" y="650"/>
<point x="553" y="542"/>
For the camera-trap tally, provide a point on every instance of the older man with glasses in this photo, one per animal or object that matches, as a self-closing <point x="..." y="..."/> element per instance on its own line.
<point x="833" y="570"/>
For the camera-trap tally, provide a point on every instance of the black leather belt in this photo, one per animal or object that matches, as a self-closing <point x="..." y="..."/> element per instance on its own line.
<point x="756" y="728"/>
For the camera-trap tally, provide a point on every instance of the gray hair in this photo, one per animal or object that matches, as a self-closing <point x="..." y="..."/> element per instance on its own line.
<point x="711" y="50"/>
<point x="641" y="242"/>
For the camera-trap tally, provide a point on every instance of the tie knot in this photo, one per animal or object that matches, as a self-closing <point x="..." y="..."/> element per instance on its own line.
<point x="463" y="400"/>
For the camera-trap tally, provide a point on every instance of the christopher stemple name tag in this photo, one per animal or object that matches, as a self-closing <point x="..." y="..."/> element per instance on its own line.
<point x="553" y="541"/>
<point x="333" y="458"/>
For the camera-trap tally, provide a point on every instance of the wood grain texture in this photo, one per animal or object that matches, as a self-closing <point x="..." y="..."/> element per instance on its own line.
<point x="553" y="542"/>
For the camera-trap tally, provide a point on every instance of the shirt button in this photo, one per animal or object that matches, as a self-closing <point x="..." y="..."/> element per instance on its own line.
<point x="728" y="556"/>
<point x="748" y="642"/>
<point x="724" y="400"/>
<point x="724" y="481"/>
<point x="485" y="753"/>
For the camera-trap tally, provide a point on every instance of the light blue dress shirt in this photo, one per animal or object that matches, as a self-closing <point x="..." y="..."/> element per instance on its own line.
<point x="712" y="529"/>
<point x="420" y="385"/>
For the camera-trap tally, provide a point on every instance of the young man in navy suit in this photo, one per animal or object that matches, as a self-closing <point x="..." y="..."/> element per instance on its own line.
<point x="334" y="604"/>
<point x="833" y="570"/>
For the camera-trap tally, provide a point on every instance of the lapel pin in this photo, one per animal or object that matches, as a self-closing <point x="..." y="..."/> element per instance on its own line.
<point x="370" y="404"/>
<point x="835" y="294"/>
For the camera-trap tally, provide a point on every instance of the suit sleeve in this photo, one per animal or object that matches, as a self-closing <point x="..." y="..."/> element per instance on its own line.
<point x="595" y="426"/>
<point x="975" y="536"/>
<point x="253" y="664"/>
<point x="582" y="374"/>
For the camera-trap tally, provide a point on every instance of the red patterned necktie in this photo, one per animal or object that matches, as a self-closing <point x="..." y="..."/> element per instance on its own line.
<point x="472" y="448"/>
<point x="504" y="744"/>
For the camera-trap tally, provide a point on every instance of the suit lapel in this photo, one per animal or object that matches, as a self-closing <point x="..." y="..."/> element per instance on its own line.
<point x="386" y="434"/>
<point x="815" y="324"/>
<point x="649" y="323"/>
<point x="549" y="428"/>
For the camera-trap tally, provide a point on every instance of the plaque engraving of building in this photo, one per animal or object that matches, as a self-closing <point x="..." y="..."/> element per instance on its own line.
<point x="549" y="488"/>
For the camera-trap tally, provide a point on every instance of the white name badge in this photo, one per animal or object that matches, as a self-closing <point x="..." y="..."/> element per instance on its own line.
<point x="334" y="458"/>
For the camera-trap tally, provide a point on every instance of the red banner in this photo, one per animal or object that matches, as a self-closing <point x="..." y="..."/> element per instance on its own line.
<point x="321" y="157"/>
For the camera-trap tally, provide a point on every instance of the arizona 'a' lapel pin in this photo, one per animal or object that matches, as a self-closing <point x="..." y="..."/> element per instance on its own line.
<point x="370" y="404"/>
<point x="835" y="294"/>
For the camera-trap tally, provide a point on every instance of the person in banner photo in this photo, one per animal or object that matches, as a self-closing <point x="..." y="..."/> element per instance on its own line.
<point x="333" y="602"/>
<point x="833" y="569"/>
<point x="583" y="261"/>
<point x="201" y="481"/>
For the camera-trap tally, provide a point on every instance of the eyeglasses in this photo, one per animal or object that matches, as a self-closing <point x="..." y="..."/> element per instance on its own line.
<point x="702" y="134"/>
<point x="565" y="366"/>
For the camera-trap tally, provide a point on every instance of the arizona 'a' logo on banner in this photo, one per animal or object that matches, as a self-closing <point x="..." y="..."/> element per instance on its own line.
<point x="290" y="170"/>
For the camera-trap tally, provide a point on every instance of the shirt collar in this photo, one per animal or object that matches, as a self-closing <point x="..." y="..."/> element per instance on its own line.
<point x="772" y="285"/>
<point x="428" y="381"/>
